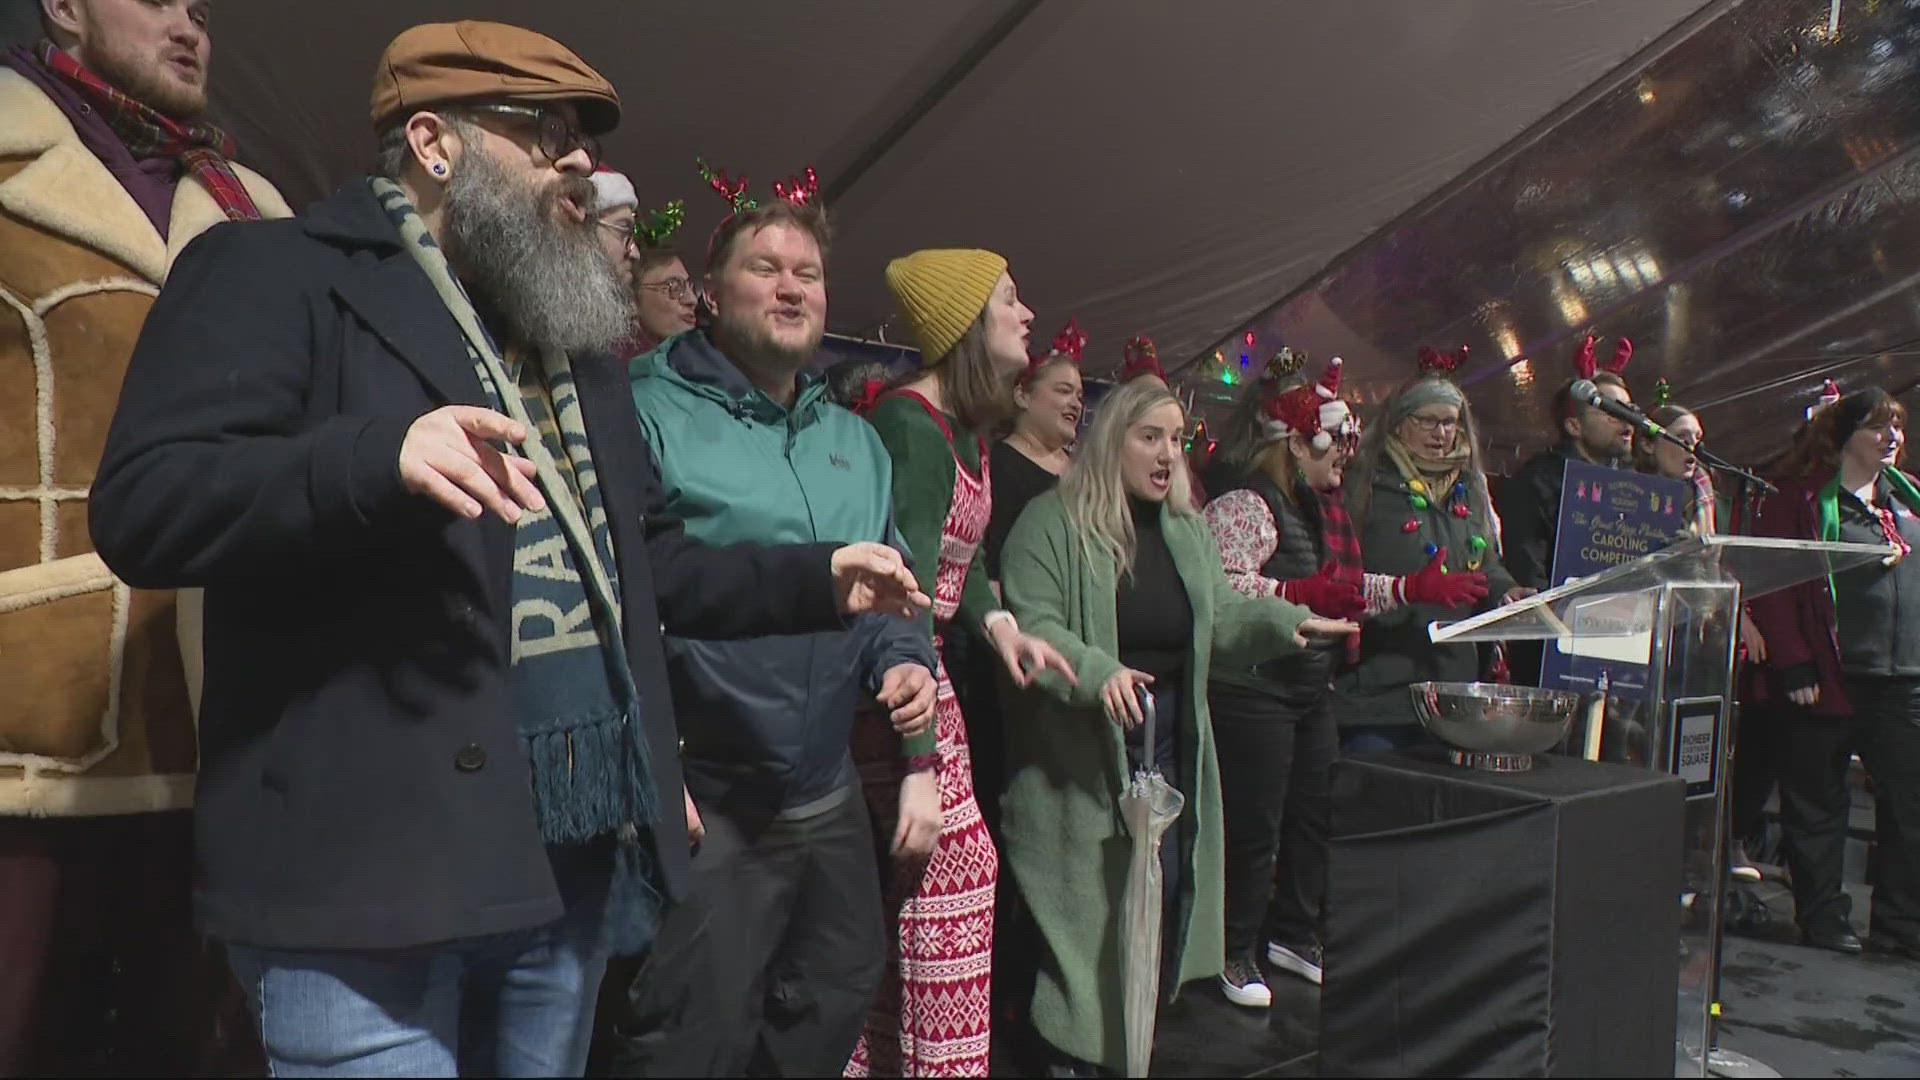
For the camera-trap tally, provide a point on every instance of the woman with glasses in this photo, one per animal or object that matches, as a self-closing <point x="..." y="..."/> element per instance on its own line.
<point x="1116" y="570"/>
<point x="1282" y="530"/>
<point x="1418" y="495"/>
<point x="1707" y="512"/>
<point x="1845" y="651"/>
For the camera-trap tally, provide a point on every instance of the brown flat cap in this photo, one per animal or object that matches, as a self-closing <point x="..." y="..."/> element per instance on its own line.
<point x="442" y="63"/>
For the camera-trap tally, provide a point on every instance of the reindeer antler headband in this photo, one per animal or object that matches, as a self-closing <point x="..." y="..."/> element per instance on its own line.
<point x="1070" y="343"/>
<point x="656" y="227"/>
<point x="1142" y="358"/>
<point x="1584" y="365"/>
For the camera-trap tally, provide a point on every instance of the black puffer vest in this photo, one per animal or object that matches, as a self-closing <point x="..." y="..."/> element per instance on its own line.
<point x="1301" y="552"/>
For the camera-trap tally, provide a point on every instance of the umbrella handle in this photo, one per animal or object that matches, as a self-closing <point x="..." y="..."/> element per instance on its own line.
<point x="1147" y="706"/>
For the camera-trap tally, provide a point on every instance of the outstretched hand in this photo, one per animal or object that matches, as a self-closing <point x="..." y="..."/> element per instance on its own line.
<point x="1315" y="626"/>
<point x="1326" y="593"/>
<point x="449" y="456"/>
<point x="1435" y="584"/>
<point x="869" y="577"/>
<point x="1024" y="655"/>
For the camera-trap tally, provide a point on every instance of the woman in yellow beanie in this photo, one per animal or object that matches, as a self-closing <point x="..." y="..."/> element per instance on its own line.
<point x="934" y="1012"/>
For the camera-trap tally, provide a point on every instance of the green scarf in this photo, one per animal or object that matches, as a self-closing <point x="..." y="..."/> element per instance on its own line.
<point x="575" y="703"/>
<point x="1903" y="490"/>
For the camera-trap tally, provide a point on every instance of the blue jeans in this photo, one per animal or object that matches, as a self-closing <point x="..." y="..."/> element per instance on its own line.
<point x="519" y="1003"/>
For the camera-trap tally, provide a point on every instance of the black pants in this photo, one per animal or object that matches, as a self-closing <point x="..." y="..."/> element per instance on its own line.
<point x="101" y="973"/>
<point x="1275" y="755"/>
<point x="1814" y="800"/>
<point x="770" y="964"/>
<point x="1756" y="766"/>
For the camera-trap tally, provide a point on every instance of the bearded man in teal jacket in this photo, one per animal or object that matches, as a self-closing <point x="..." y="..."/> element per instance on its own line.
<point x="770" y="964"/>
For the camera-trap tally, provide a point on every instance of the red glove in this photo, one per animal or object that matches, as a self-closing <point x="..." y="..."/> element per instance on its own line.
<point x="1434" y="585"/>
<point x="1325" y="593"/>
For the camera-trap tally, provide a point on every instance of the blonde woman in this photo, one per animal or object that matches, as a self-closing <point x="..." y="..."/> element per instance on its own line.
<point x="1116" y="571"/>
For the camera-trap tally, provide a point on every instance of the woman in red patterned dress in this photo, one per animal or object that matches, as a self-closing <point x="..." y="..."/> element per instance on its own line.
<point x="933" y="1015"/>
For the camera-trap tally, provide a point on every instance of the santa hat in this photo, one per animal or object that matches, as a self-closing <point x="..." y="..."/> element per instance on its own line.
<point x="1314" y="411"/>
<point x="612" y="190"/>
<point x="1829" y="394"/>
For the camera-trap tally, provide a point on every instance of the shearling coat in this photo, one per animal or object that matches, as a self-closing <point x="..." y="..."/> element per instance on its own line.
<point x="94" y="704"/>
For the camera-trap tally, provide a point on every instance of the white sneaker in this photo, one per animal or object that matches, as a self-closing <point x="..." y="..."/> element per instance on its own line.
<point x="1302" y="960"/>
<point x="1242" y="984"/>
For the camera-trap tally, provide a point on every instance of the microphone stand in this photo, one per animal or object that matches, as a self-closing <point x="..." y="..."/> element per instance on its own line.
<point x="1753" y="486"/>
<point x="1749" y="489"/>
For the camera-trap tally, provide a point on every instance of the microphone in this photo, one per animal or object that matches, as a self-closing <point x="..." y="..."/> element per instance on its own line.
<point x="1586" y="393"/>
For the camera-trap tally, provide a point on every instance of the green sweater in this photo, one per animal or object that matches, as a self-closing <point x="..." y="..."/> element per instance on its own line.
<point x="923" y="480"/>
<point x="1067" y="766"/>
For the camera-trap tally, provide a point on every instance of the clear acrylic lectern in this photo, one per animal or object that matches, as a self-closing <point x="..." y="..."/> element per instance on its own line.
<point x="1673" y="614"/>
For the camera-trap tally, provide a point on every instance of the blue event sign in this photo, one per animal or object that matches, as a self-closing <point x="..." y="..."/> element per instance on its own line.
<point x="1609" y="517"/>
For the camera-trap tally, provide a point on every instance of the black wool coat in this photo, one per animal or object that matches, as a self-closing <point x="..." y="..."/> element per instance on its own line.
<point x="361" y="782"/>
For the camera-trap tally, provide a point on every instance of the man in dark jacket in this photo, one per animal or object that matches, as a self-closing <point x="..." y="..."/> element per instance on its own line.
<point x="1530" y="498"/>
<point x="772" y="965"/>
<point x="439" y="780"/>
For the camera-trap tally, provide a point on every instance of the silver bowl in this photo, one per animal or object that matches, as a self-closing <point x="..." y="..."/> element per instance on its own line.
<point x="1493" y="726"/>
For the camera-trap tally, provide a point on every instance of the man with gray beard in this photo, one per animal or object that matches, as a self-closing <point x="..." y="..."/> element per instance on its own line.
<point x="438" y="748"/>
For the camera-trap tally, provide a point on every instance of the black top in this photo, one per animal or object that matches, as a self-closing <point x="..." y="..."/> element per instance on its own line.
<point x="1017" y="478"/>
<point x="1152" y="613"/>
<point x="1878" y="607"/>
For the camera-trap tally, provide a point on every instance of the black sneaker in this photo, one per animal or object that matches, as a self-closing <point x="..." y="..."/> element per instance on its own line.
<point x="1302" y="959"/>
<point x="1243" y="984"/>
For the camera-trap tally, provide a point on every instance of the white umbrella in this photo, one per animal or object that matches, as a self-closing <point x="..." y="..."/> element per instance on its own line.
<point x="1149" y="806"/>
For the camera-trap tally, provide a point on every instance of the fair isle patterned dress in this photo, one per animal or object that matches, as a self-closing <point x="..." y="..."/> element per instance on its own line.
<point x="933" y="1015"/>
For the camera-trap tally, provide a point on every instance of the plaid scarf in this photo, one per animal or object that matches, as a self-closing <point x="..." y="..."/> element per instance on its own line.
<point x="1336" y="529"/>
<point x="1705" y="514"/>
<point x="199" y="147"/>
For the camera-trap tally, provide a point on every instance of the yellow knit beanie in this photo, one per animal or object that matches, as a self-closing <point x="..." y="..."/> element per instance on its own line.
<point x="942" y="290"/>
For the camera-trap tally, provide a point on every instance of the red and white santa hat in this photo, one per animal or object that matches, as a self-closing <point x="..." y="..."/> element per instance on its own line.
<point x="612" y="190"/>
<point x="1829" y="394"/>
<point x="1313" y="410"/>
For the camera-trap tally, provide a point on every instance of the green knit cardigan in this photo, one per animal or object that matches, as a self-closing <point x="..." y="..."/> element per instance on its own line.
<point x="1067" y="766"/>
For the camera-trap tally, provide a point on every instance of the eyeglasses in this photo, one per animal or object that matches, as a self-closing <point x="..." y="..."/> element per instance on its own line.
<point x="556" y="136"/>
<point x="624" y="232"/>
<point x="674" y="288"/>
<point x="1435" y="423"/>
